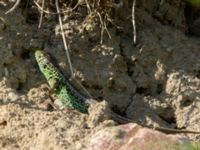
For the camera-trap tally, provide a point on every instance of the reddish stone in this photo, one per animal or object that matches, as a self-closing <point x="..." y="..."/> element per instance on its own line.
<point x="133" y="137"/>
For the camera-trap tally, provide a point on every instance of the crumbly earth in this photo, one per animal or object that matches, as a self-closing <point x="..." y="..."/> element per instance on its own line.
<point x="155" y="82"/>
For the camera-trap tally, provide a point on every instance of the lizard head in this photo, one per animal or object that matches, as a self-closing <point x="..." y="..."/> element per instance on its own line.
<point x="43" y="60"/>
<point x="47" y="68"/>
<point x="41" y="57"/>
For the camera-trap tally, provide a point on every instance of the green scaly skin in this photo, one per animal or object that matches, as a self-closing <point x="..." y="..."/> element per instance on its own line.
<point x="57" y="82"/>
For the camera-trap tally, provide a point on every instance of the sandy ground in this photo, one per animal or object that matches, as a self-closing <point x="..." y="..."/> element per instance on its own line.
<point x="155" y="82"/>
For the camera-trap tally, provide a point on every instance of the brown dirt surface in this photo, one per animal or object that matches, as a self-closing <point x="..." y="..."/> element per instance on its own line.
<point x="156" y="82"/>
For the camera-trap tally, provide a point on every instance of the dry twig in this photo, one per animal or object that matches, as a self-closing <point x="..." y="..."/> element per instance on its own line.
<point x="64" y="39"/>
<point x="88" y="6"/>
<point x="133" y="22"/>
<point x="41" y="15"/>
<point x="103" y="27"/>
<point x="14" y="7"/>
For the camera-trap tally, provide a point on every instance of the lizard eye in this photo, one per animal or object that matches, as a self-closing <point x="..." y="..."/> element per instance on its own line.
<point x="45" y="60"/>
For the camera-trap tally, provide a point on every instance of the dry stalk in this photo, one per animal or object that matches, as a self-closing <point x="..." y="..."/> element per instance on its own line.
<point x="14" y="7"/>
<point x="103" y="27"/>
<point x="41" y="15"/>
<point x="88" y="6"/>
<point x="64" y="39"/>
<point x="133" y="22"/>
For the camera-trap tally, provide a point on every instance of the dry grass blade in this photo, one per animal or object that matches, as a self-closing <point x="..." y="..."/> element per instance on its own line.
<point x="64" y="39"/>
<point x="133" y="22"/>
<point x="14" y="7"/>
<point x="103" y="27"/>
<point x="41" y="15"/>
<point x="88" y="6"/>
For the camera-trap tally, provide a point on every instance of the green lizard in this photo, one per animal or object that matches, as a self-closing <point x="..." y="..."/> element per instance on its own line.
<point x="72" y="99"/>
<point x="57" y="82"/>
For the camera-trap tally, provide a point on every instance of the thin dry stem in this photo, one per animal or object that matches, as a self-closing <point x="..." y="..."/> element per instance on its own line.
<point x="107" y="30"/>
<point x="41" y="15"/>
<point x="133" y="22"/>
<point x="14" y="7"/>
<point x="64" y="39"/>
<point x="88" y="6"/>
<point x="103" y="27"/>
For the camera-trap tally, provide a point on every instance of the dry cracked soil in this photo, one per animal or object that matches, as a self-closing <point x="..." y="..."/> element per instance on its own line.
<point x="155" y="82"/>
